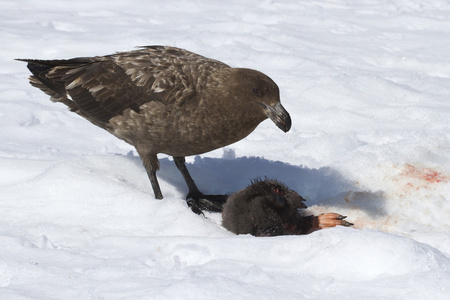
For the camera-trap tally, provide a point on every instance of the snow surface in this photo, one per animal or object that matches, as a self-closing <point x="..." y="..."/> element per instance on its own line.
<point x="367" y="84"/>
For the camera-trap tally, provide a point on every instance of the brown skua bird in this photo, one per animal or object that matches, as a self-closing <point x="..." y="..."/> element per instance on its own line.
<point x="164" y="100"/>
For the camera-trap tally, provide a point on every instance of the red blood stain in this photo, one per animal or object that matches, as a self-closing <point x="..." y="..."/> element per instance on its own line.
<point x="426" y="174"/>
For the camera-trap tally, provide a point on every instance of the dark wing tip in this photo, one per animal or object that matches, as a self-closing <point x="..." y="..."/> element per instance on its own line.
<point x="30" y="60"/>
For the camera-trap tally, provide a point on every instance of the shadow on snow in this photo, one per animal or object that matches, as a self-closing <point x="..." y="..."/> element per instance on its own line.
<point x="323" y="186"/>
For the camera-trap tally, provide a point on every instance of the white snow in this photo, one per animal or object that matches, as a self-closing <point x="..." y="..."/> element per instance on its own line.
<point x="367" y="84"/>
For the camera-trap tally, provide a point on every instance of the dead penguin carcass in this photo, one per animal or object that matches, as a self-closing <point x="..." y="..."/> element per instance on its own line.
<point x="269" y="208"/>
<point x="164" y="100"/>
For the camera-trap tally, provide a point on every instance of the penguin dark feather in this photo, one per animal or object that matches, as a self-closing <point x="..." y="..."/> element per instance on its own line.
<point x="269" y="208"/>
